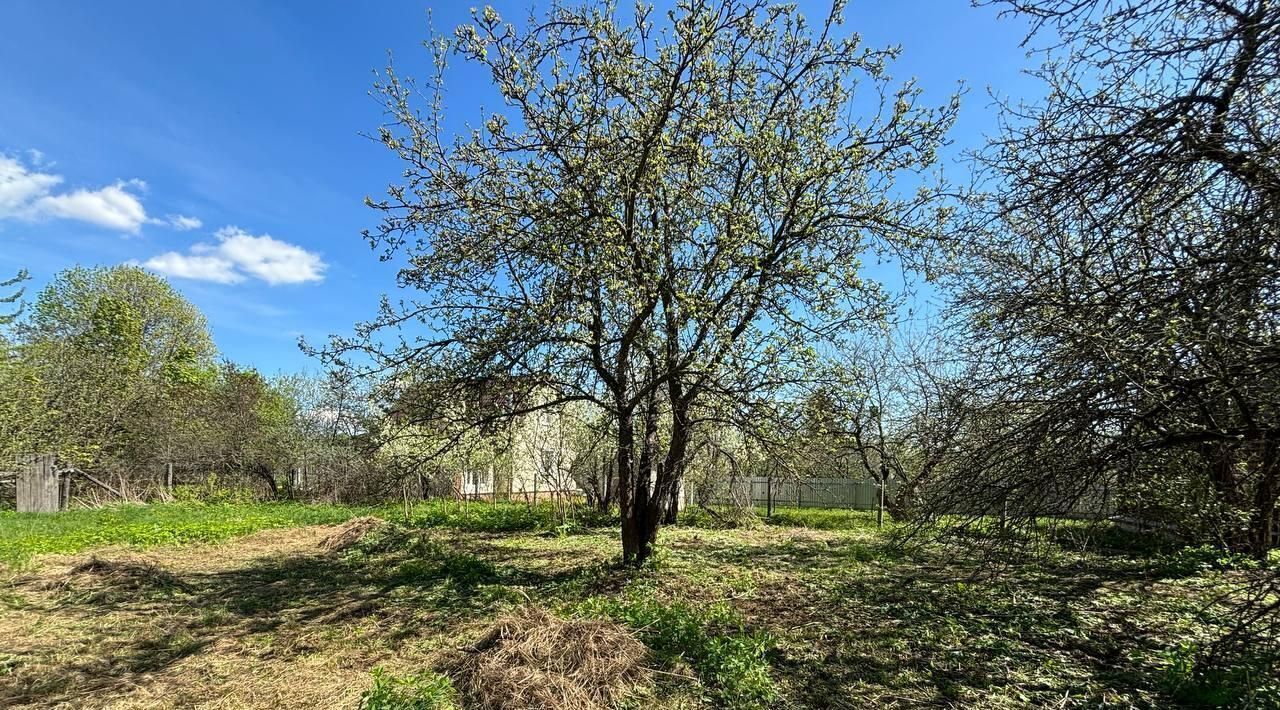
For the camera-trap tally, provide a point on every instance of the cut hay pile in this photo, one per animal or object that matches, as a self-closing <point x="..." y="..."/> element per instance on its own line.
<point x="120" y="575"/>
<point x="534" y="659"/>
<point x="350" y="532"/>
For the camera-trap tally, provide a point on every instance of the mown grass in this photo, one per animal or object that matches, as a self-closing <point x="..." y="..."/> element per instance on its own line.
<point x="815" y="609"/>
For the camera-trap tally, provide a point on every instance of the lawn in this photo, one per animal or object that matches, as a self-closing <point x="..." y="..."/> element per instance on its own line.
<point x="243" y="607"/>
<point x="141" y="526"/>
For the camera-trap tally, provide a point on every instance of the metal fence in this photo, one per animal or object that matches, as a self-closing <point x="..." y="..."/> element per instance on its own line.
<point x="850" y="493"/>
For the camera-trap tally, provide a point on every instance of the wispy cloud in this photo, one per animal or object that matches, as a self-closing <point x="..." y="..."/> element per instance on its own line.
<point x="28" y="192"/>
<point x="182" y="222"/>
<point x="238" y="255"/>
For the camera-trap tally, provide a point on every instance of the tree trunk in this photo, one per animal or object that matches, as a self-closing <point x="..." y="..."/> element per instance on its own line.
<point x="901" y="506"/>
<point x="671" y="514"/>
<point x="269" y="477"/>
<point x="1222" y="474"/>
<point x="644" y="510"/>
<point x="633" y="551"/>
<point x="607" y="487"/>
<point x="1262" y="520"/>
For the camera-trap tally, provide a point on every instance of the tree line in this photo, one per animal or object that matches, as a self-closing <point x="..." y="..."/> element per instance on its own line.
<point x="112" y="370"/>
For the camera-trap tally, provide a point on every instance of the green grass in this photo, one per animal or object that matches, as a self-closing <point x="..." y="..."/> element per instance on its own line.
<point x="496" y="517"/>
<point x="418" y="691"/>
<point x="24" y="535"/>
<point x="823" y="518"/>
<point x="816" y="608"/>
<point x="712" y="639"/>
<point x="783" y="516"/>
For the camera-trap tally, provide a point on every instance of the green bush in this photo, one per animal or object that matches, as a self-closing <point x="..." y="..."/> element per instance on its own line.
<point x="1194" y="560"/>
<point x="393" y="537"/>
<point x="416" y="691"/>
<point x="711" y="639"/>
<point x="211" y="492"/>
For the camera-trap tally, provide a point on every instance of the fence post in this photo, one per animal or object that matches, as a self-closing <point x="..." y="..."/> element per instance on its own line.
<point x="880" y="509"/>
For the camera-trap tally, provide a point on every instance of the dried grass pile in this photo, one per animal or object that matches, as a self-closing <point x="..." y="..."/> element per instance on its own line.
<point x="534" y="659"/>
<point x="350" y="532"/>
<point x="122" y="575"/>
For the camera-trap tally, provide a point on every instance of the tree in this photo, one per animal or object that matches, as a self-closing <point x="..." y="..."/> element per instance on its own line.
<point x="253" y="427"/>
<point x="105" y="347"/>
<point x="666" y="214"/>
<point x="1128" y="270"/>
<point x="13" y="298"/>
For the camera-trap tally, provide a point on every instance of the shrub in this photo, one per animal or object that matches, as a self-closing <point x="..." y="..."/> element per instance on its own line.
<point x="415" y="691"/>
<point x="1194" y="560"/>
<point x="499" y="516"/>
<point x="214" y="493"/>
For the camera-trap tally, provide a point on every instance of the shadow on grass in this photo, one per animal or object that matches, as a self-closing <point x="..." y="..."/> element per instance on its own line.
<point x="274" y="605"/>
<point x="947" y="629"/>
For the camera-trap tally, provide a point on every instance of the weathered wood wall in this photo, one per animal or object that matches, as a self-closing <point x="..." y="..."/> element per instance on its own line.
<point x="39" y="489"/>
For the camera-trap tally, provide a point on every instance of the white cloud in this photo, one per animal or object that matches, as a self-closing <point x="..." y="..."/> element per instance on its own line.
<point x="19" y="187"/>
<point x="238" y="255"/>
<point x="200" y="267"/>
<point x="182" y="222"/>
<point x="27" y="193"/>
<point x="113" y="207"/>
<point x="270" y="259"/>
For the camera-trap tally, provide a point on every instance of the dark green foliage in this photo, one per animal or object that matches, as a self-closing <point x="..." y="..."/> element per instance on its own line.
<point x="1203" y="558"/>
<point x="823" y="518"/>
<point x="727" y="518"/>
<point x="214" y="491"/>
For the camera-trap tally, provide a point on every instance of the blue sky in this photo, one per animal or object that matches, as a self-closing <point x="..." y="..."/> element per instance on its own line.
<point x="220" y="141"/>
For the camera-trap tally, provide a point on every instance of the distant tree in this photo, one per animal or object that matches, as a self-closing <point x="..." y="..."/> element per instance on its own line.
<point x="253" y="429"/>
<point x="106" y="347"/>
<point x="22" y="411"/>
<point x="665" y="215"/>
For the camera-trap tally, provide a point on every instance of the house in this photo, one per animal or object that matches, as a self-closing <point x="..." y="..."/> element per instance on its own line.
<point x="526" y="457"/>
